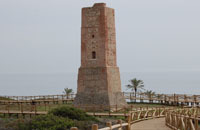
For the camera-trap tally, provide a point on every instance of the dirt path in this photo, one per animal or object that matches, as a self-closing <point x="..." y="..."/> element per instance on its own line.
<point x="152" y="124"/>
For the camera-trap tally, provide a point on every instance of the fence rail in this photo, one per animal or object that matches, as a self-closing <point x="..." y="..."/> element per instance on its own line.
<point x="173" y="99"/>
<point x="136" y="116"/>
<point x="183" y="119"/>
<point x="188" y="121"/>
<point x="176" y="118"/>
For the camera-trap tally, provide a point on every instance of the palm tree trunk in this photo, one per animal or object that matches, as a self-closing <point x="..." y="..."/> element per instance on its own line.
<point x="135" y="95"/>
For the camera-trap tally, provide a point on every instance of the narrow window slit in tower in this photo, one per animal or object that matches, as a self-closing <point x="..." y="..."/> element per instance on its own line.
<point x="92" y="36"/>
<point x="93" y="55"/>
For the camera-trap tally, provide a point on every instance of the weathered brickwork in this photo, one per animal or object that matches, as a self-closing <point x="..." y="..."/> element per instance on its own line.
<point x="99" y="78"/>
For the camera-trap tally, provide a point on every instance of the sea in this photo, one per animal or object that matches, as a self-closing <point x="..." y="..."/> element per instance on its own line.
<point x="30" y="84"/>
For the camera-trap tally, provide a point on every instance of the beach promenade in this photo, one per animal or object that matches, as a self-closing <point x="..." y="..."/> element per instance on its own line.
<point x="153" y="124"/>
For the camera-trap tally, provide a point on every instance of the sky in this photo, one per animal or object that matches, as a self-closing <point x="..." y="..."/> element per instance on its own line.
<point x="43" y="36"/>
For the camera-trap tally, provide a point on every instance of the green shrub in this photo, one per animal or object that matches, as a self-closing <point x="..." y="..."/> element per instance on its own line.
<point x="51" y="122"/>
<point x="60" y="118"/>
<point x="72" y="113"/>
<point x="5" y="98"/>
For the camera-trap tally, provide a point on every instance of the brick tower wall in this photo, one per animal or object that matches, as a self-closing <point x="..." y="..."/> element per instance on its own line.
<point x="99" y="78"/>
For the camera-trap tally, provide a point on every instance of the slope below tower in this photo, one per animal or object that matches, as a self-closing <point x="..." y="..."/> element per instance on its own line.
<point x="99" y="81"/>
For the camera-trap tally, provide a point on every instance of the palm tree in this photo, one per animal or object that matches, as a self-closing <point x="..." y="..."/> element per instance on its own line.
<point x="67" y="91"/>
<point x="135" y="86"/>
<point x="159" y="97"/>
<point x="149" y="94"/>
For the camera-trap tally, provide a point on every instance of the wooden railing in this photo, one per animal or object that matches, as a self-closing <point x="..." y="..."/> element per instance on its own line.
<point x="42" y="108"/>
<point x="146" y="114"/>
<point x="170" y="99"/>
<point x="183" y="119"/>
<point x="173" y="99"/>
<point x="30" y="109"/>
<point x="176" y="118"/>
<point x="109" y="125"/>
<point x="135" y="116"/>
<point x="37" y="99"/>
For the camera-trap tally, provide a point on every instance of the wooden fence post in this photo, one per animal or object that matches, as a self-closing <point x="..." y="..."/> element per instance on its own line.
<point x="109" y="110"/>
<point x="129" y="122"/>
<point x="120" y="122"/>
<point x="21" y="107"/>
<point x="8" y="107"/>
<point x="174" y="99"/>
<point x="35" y="109"/>
<point x="186" y="123"/>
<point x="94" y="127"/>
<point x="45" y="106"/>
<point x="73" y="128"/>
<point x="196" y="123"/>
<point x="53" y="100"/>
<point x="109" y="124"/>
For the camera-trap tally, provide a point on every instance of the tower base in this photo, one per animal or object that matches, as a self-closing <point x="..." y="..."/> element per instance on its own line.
<point x="99" y="87"/>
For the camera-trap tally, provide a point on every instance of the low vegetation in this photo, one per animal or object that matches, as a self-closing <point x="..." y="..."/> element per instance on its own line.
<point x="48" y="122"/>
<point x="72" y="113"/>
<point x="60" y="118"/>
<point x="4" y="98"/>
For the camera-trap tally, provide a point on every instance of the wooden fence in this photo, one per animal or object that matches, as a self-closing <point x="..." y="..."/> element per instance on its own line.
<point x="183" y="119"/>
<point x="41" y="99"/>
<point x="169" y="99"/>
<point x="37" y="109"/>
<point x="189" y="123"/>
<point x="176" y="118"/>
<point x="133" y="117"/>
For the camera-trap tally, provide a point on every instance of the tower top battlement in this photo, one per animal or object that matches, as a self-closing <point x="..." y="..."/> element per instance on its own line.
<point x="99" y="5"/>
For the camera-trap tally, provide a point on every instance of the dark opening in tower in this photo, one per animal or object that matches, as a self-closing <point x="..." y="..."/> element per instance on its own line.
<point x="93" y="55"/>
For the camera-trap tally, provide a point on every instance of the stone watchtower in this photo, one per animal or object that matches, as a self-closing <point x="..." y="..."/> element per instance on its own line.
<point x="99" y="81"/>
